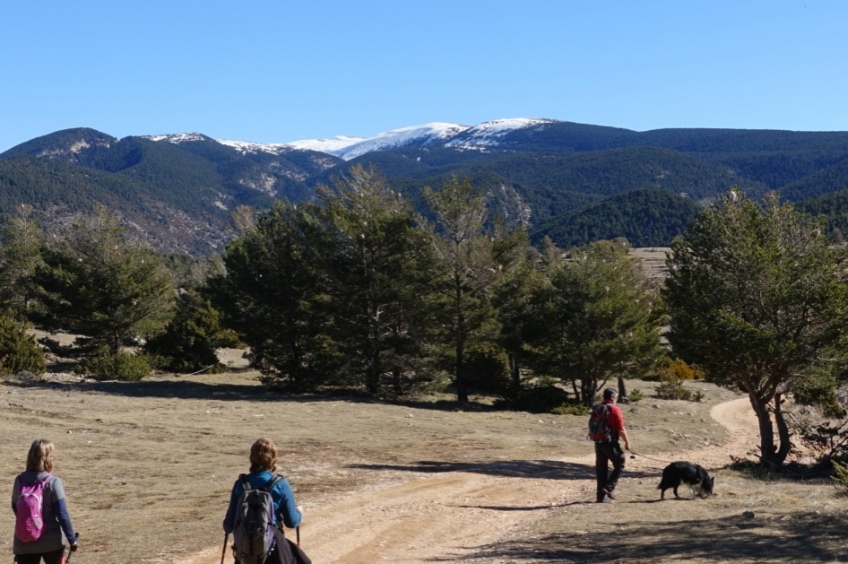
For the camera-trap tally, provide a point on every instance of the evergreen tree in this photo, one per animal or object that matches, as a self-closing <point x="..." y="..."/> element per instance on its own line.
<point x="20" y="254"/>
<point x="463" y="275"/>
<point x="18" y="349"/>
<point x="190" y="341"/>
<point x="600" y="320"/>
<point x="374" y="264"/>
<point x="520" y="279"/>
<point x="275" y="294"/>
<point x="758" y="300"/>
<point x="96" y="284"/>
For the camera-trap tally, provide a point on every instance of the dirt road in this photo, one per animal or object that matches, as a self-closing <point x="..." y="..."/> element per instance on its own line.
<point x="449" y="514"/>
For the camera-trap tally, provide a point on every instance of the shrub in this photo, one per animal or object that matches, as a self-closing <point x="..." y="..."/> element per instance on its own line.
<point x="543" y="398"/>
<point x="18" y="350"/>
<point x="635" y="395"/>
<point x="487" y="369"/>
<point x="840" y="476"/>
<point x="190" y="340"/>
<point x="574" y="408"/>
<point x="821" y="392"/>
<point x="678" y="369"/>
<point x="122" y="366"/>
<point x="671" y="388"/>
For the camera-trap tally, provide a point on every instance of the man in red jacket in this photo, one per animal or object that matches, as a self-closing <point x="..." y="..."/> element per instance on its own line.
<point x="610" y="451"/>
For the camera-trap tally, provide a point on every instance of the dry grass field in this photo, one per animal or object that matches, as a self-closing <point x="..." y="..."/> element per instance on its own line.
<point x="148" y="468"/>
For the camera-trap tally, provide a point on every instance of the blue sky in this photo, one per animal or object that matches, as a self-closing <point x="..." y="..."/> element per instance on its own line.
<point x="276" y="71"/>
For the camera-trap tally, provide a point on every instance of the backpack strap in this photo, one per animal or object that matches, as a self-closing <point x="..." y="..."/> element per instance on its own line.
<point x="244" y="482"/>
<point x="272" y="482"/>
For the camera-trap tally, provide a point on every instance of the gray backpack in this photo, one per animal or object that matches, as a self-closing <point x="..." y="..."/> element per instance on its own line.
<point x="599" y="431"/>
<point x="253" y="534"/>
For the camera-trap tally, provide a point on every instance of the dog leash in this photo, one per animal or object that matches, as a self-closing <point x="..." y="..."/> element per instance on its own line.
<point x="649" y="458"/>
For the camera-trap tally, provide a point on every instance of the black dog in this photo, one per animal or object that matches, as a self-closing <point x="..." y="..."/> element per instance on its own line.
<point x="692" y="475"/>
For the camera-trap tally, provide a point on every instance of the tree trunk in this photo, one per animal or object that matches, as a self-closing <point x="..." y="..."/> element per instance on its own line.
<point x="397" y="379"/>
<point x="515" y="373"/>
<point x="782" y="432"/>
<point x="460" y="380"/>
<point x="622" y="388"/>
<point x="588" y="389"/>
<point x="768" y="450"/>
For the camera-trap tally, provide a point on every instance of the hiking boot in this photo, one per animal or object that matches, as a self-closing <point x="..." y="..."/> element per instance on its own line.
<point x="609" y="493"/>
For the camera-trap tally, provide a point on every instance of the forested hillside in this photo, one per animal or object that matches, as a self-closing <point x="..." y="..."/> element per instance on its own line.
<point x="646" y="218"/>
<point x="570" y="179"/>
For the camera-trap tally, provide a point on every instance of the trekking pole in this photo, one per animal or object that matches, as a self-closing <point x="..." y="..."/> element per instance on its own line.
<point x="297" y="530"/>
<point x="224" y="551"/>
<point x="71" y="549"/>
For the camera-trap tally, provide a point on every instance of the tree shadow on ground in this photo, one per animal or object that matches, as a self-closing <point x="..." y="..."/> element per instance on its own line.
<point x="191" y="389"/>
<point x="185" y="390"/>
<point x="540" y="469"/>
<point x="789" y="537"/>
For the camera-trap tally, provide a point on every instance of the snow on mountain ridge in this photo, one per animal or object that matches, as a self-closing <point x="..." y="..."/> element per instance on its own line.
<point x="405" y="136"/>
<point x="177" y="138"/>
<point x="489" y="133"/>
<point x="332" y="146"/>
<point x="245" y="147"/>
<point x="478" y="137"/>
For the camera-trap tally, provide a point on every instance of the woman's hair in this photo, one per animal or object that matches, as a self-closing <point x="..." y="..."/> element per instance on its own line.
<point x="40" y="457"/>
<point x="263" y="456"/>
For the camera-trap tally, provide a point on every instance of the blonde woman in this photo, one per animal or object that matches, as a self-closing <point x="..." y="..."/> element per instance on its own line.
<point x="263" y="468"/>
<point x="57" y="529"/>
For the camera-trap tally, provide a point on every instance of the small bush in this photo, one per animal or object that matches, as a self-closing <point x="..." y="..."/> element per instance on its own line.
<point x="635" y="395"/>
<point x="487" y="370"/>
<point x="190" y="340"/>
<point x="122" y="366"/>
<point x="678" y="369"/>
<point x="536" y="399"/>
<point x="840" y="476"/>
<point x="571" y="409"/>
<point x="671" y="388"/>
<point x="19" y="350"/>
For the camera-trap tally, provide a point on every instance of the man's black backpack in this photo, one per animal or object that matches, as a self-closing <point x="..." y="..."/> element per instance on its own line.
<point x="599" y="431"/>
<point x="254" y="526"/>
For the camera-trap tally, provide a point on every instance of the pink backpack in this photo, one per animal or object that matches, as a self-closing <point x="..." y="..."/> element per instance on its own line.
<point x="29" y="522"/>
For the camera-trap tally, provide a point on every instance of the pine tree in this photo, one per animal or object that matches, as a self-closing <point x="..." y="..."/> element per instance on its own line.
<point x="275" y="295"/>
<point x="599" y="320"/>
<point x="20" y="254"/>
<point x="190" y="341"/>
<point x="463" y="276"/>
<point x="98" y="285"/>
<point x="374" y="266"/>
<point x="758" y="300"/>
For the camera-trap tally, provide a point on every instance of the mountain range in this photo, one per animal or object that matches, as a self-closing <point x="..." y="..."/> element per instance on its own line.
<point x="572" y="182"/>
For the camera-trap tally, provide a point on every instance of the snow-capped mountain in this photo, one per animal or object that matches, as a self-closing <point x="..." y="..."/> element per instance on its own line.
<point x="482" y="137"/>
<point x="492" y="133"/>
<point x="349" y="148"/>
<point x="479" y="137"/>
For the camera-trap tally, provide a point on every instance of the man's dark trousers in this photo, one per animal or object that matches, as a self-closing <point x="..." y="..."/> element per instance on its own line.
<point x="605" y="453"/>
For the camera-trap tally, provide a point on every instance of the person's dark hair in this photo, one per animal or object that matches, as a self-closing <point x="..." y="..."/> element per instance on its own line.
<point x="610" y="393"/>
<point x="263" y="456"/>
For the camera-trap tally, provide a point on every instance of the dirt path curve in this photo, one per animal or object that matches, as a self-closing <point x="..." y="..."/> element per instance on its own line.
<point x="445" y="516"/>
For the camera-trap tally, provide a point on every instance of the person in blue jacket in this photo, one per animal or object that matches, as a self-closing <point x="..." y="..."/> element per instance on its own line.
<point x="263" y="468"/>
<point x="58" y="529"/>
